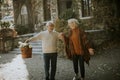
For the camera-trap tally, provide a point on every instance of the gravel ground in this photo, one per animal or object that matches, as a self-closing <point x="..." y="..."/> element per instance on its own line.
<point x="6" y="57"/>
<point x="105" y="65"/>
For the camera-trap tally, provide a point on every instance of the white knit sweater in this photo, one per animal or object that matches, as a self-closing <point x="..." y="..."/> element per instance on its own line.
<point x="49" y="41"/>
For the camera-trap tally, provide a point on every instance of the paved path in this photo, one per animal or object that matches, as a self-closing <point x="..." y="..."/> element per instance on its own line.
<point x="105" y="65"/>
<point x="102" y="67"/>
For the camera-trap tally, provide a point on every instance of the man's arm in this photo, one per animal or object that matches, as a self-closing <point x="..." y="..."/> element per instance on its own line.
<point x="34" y="38"/>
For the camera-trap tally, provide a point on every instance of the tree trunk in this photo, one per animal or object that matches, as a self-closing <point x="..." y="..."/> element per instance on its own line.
<point x="17" y="4"/>
<point x="31" y="18"/>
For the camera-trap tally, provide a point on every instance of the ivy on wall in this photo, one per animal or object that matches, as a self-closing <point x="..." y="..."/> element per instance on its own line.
<point x="106" y="12"/>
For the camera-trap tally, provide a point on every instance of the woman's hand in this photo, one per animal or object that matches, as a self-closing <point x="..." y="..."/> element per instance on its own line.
<point x="61" y="36"/>
<point x="91" y="51"/>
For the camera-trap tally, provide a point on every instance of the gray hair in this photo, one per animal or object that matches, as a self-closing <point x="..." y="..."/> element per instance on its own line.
<point x="73" y="21"/>
<point x="49" y="23"/>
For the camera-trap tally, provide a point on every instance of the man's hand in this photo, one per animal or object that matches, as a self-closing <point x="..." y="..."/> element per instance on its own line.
<point x="27" y="41"/>
<point x="91" y="51"/>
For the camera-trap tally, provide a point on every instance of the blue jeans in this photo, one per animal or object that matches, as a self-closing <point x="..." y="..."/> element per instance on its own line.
<point x="77" y="59"/>
<point x="50" y="59"/>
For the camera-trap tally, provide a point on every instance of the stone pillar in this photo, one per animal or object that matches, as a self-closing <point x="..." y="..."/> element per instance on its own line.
<point x="77" y="7"/>
<point x="40" y="10"/>
<point x="54" y="9"/>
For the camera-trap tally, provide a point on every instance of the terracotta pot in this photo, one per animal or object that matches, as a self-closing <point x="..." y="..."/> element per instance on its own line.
<point x="26" y="52"/>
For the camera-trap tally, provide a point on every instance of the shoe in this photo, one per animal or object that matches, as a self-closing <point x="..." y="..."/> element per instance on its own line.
<point x="76" y="77"/>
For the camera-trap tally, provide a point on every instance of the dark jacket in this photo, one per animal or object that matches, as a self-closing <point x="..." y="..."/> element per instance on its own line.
<point x="69" y="48"/>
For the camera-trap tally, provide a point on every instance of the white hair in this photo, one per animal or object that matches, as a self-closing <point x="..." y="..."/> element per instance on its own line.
<point x="49" y="23"/>
<point x="73" y="21"/>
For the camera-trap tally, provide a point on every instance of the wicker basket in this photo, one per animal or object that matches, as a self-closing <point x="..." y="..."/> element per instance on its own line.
<point x="26" y="52"/>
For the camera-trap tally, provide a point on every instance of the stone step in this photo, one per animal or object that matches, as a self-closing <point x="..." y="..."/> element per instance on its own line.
<point x="34" y="51"/>
<point x="35" y="43"/>
<point x="19" y="52"/>
<point x="36" y="48"/>
<point x="39" y="41"/>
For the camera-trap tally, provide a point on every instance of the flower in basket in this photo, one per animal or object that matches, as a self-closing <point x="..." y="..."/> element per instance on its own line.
<point x="26" y="50"/>
<point x="24" y="45"/>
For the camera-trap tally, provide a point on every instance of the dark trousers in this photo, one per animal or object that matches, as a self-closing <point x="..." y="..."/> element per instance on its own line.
<point x="77" y="59"/>
<point x="50" y="59"/>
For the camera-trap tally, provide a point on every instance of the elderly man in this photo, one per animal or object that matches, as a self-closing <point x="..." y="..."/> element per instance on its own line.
<point x="49" y="47"/>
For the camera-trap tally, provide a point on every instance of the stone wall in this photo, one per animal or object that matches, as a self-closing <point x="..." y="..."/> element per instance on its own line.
<point x="89" y="24"/>
<point x="54" y="9"/>
<point x="11" y="43"/>
<point x="6" y="45"/>
<point x="96" y="37"/>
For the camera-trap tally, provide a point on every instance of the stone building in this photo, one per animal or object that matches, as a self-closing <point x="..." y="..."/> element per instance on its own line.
<point x="33" y="12"/>
<point x="6" y="8"/>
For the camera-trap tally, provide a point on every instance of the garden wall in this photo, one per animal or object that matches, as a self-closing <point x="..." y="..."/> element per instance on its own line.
<point x="96" y="37"/>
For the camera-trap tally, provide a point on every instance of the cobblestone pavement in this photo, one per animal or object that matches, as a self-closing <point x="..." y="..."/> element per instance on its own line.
<point x="105" y="65"/>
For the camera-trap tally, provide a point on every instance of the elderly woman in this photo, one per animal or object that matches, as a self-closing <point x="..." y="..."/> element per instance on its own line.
<point x="77" y="48"/>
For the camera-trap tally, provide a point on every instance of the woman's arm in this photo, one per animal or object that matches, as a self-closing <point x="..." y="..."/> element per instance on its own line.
<point x="87" y="43"/>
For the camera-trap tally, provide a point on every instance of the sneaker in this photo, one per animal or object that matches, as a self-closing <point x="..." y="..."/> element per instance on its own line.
<point x="76" y="77"/>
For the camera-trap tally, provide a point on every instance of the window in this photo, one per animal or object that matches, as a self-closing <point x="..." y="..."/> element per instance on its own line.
<point x="86" y="8"/>
<point x="68" y="4"/>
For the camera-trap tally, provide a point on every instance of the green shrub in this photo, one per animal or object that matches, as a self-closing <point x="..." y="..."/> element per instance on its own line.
<point x="4" y="24"/>
<point x="67" y="14"/>
<point x="23" y="29"/>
